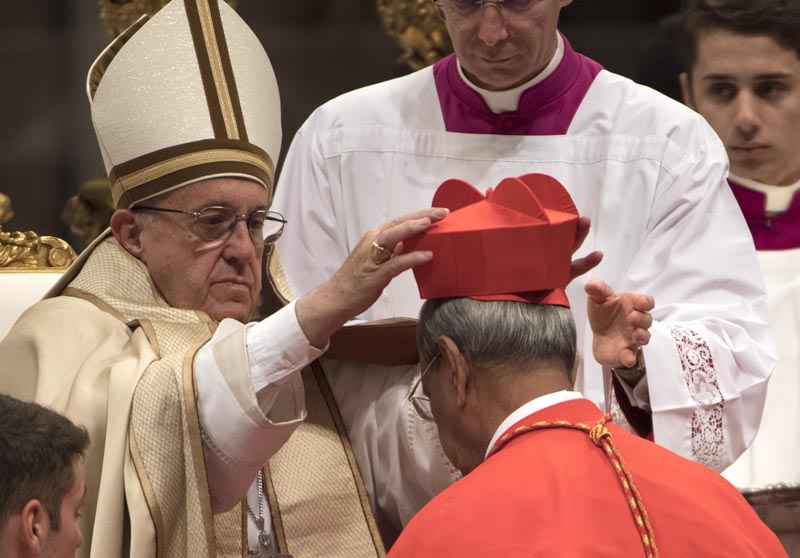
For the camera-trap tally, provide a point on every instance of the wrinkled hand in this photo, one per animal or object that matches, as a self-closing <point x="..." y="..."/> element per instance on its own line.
<point x="359" y="281"/>
<point x="620" y="323"/>
<point x="591" y="260"/>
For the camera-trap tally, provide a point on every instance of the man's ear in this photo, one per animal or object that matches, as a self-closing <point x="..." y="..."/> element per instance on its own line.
<point x="686" y="90"/>
<point x="459" y="369"/>
<point x="34" y="526"/>
<point x="127" y="231"/>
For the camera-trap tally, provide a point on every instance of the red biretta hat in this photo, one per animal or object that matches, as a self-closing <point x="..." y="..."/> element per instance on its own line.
<point x="514" y="243"/>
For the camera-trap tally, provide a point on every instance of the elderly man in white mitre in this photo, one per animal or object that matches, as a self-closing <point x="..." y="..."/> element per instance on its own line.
<point x="145" y="340"/>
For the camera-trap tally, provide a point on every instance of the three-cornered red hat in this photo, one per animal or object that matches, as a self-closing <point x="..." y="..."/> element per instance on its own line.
<point x="514" y="243"/>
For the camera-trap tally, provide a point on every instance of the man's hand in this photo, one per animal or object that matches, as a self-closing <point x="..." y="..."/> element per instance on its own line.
<point x="620" y="323"/>
<point x="588" y="262"/>
<point x="360" y="281"/>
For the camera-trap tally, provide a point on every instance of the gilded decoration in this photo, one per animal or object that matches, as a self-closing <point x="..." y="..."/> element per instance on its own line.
<point x="418" y="28"/>
<point x="118" y="15"/>
<point x="28" y="249"/>
<point x="89" y="212"/>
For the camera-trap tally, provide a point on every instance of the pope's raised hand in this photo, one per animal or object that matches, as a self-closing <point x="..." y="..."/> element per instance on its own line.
<point x="620" y="323"/>
<point x="376" y="260"/>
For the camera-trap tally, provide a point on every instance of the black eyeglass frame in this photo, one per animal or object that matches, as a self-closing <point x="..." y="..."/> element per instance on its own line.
<point x="420" y="401"/>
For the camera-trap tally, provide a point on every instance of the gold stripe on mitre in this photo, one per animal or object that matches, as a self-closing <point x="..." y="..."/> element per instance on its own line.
<point x="166" y="169"/>
<point x="205" y="23"/>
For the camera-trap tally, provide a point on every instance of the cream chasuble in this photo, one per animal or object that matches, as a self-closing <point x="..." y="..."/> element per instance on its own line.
<point x="133" y="389"/>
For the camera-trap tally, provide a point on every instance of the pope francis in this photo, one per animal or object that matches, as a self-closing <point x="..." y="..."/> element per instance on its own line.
<point x="145" y="340"/>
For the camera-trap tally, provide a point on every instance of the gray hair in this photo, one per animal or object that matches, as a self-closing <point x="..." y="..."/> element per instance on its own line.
<point x="499" y="333"/>
<point x="144" y="219"/>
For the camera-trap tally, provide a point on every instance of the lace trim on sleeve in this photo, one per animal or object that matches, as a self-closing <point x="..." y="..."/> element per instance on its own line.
<point x="700" y="374"/>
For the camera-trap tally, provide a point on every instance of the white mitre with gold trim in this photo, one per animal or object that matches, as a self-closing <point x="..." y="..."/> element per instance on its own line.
<point x="186" y="95"/>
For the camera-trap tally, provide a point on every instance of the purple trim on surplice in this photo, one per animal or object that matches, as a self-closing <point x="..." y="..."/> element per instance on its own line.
<point x="545" y="109"/>
<point x="780" y="231"/>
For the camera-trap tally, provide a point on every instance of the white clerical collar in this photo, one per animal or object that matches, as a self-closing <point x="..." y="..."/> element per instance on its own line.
<point x="508" y="100"/>
<point x="532" y="407"/>
<point x="779" y="198"/>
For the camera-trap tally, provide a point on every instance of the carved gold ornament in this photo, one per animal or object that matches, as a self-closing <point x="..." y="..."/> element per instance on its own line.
<point x="418" y="28"/>
<point x="89" y="212"/>
<point x="28" y="249"/>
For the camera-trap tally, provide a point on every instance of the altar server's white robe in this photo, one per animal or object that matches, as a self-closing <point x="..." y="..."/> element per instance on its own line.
<point x="773" y="215"/>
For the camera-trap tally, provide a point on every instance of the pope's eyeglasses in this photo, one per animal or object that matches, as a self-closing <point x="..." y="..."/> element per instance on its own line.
<point x="216" y="223"/>
<point x="420" y="401"/>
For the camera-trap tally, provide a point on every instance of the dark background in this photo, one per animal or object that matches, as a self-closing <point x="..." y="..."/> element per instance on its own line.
<point x="319" y="49"/>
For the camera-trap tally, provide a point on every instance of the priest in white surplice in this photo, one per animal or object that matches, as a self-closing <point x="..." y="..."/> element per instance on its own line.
<point x="144" y="342"/>
<point x="515" y="99"/>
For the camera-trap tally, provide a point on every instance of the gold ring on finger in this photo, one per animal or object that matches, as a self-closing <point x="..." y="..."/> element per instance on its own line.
<point x="379" y="254"/>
